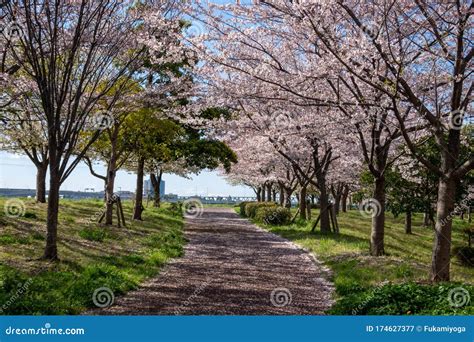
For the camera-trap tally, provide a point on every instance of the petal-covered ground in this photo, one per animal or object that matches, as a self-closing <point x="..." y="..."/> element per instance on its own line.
<point x="232" y="267"/>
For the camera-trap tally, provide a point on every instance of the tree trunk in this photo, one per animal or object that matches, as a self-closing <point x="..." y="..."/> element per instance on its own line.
<point x="426" y="221"/>
<point x="408" y="222"/>
<point x="51" y="249"/>
<point x="337" y="203"/>
<point x="109" y="191"/>
<point x="274" y="196"/>
<point x="263" y="192"/>
<point x="378" y="218"/>
<point x="442" y="243"/>
<point x="110" y="181"/>
<point x="259" y="194"/>
<point x="345" y="194"/>
<point x="288" y="193"/>
<point x="324" y="203"/>
<point x="308" y="210"/>
<point x="156" y="183"/>
<point x="469" y="214"/>
<point x="269" y="192"/>
<point x="137" y="212"/>
<point x="281" y="198"/>
<point x="41" y="170"/>
<point x="302" y="203"/>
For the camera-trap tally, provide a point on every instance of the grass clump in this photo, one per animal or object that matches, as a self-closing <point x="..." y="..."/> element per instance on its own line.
<point x="93" y="234"/>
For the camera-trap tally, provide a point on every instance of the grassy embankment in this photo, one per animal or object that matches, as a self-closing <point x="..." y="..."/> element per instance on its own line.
<point x="91" y="256"/>
<point x="392" y="284"/>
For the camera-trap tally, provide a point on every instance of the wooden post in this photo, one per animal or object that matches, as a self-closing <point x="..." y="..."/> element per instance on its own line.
<point x="294" y="217"/>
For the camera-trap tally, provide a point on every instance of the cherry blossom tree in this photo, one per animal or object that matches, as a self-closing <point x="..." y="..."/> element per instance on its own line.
<point x="76" y="52"/>
<point x="426" y="53"/>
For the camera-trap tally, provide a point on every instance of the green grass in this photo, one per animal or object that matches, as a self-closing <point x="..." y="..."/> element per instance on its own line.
<point x="91" y="255"/>
<point x="357" y="275"/>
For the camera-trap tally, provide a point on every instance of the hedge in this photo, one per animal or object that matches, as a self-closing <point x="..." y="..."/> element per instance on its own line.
<point x="273" y="215"/>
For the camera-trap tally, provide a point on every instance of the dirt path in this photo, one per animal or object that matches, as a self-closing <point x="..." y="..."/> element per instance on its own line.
<point x="232" y="267"/>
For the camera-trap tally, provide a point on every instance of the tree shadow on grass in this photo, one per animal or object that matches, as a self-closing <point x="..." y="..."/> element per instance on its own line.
<point x="305" y="233"/>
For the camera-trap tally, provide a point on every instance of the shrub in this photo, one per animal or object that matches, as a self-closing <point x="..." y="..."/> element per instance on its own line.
<point x="465" y="255"/>
<point x="93" y="234"/>
<point x="408" y="298"/>
<point x="251" y="208"/>
<point x="273" y="215"/>
<point x="242" y="207"/>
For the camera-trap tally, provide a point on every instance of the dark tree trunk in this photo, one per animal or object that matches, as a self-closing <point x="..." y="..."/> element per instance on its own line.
<point x="313" y="199"/>
<point x="137" y="212"/>
<point x="109" y="192"/>
<point x="337" y="203"/>
<point x="408" y="222"/>
<point x="281" y="198"/>
<point x="324" y="211"/>
<point x="269" y="192"/>
<point x="156" y="183"/>
<point x="274" y="196"/>
<point x="41" y="170"/>
<point x="302" y="203"/>
<point x="308" y="209"/>
<point x="259" y="194"/>
<point x="51" y="249"/>
<point x="442" y="244"/>
<point x="263" y="192"/>
<point x="345" y="194"/>
<point x="288" y="193"/>
<point x="378" y="219"/>
<point x="427" y="219"/>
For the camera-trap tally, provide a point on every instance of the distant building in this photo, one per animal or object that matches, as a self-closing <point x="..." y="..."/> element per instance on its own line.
<point x="170" y="198"/>
<point x="148" y="188"/>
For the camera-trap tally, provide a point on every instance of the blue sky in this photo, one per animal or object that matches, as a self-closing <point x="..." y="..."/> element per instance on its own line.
<point x="17" y="171"/>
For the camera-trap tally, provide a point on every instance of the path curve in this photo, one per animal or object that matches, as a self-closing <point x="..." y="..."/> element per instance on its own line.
<point x="232" y="267"/>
